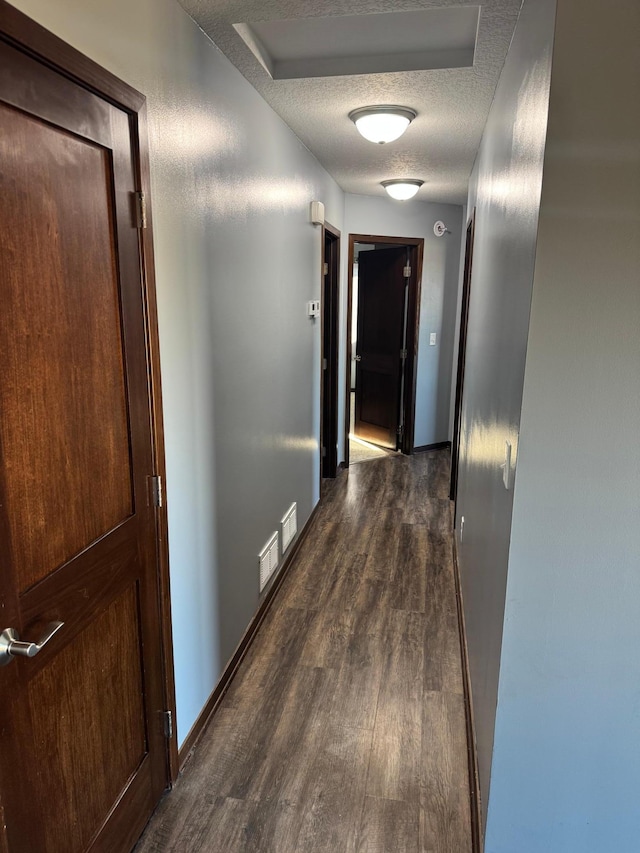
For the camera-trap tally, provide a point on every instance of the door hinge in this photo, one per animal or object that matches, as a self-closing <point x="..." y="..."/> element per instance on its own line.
<point x="400" y="430"/>
<point x="168" y="724"/>
<point x="324" y="452"/>
<point x="406" y="272"/>
<point x="4" y="840"/>
<point x="326" y="269"/>
<point x="324" y="364"/>
<point x="403" y="354"/>
<point x="141" y="210"/>
<point x="156" y="490"/>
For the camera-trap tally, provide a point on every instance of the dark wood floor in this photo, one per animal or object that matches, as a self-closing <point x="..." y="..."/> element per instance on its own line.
<point x="344" y="729"/>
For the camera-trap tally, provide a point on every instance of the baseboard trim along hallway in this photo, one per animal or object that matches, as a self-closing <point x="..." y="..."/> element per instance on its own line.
<point x="343" y="724"/>
<point x="474" y="775"/>
<point x="206" y="715"/>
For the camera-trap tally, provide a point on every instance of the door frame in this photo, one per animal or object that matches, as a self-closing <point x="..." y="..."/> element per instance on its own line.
<point x="20" y="31"/>
<point x="329" y="320"/>
<point x="416" y="248"/>
<point x="462" y="355"/>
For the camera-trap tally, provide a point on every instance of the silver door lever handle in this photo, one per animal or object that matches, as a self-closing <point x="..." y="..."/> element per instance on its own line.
<point x="357" y="358"/>
<point x="12" y="646"/>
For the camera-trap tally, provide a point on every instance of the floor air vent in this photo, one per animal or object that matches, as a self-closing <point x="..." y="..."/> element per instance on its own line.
<point x="268" y="560"/>
<point x="289" y="526"/>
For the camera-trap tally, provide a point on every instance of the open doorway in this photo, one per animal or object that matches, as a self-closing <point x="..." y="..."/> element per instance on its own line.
<point x="329" y="384"/>
<point x="384" y="275"/>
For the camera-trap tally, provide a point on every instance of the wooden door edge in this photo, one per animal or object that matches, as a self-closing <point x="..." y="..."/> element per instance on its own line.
<point x="347" y="406"/>
<point x="322" y="305"/>
<point x="155" y="395"/>
<point x="413" y="337"/>
<point x="18" y="29"/>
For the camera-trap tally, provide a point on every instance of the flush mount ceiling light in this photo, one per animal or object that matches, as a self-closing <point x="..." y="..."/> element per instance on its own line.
<point x="383" y="123"/>
<point x="402" y="188"/>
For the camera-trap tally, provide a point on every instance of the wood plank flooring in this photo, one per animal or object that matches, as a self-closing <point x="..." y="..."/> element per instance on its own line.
<point x="344" y="728"/>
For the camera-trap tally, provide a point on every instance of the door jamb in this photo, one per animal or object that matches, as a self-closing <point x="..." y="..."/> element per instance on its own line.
<point x="19" y="30"/>
<point x="462" y="354"/>
<point x="330" y="304"/>
<point x="416" y="246"/>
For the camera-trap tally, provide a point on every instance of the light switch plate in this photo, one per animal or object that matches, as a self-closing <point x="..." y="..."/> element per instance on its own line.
<point x="432" y="339"/>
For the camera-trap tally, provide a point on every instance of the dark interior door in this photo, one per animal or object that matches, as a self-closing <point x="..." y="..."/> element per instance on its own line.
<point x="82" y="751"/>
<point x="330" y="293"/>
<point x="381" y="317"/>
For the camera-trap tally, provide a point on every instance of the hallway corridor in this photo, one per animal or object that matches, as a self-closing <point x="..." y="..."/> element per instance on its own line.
<point x="344" y="728"/>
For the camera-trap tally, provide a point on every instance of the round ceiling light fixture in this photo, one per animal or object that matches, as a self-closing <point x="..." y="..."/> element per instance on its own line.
<point x="382" y="123"/>
<point x="402" y="188"/>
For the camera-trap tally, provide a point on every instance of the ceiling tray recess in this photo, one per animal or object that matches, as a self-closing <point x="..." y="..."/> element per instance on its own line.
<point x="364" y="44"/>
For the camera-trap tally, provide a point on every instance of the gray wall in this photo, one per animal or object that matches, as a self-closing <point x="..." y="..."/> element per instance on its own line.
<point x="388" y="218"/>
<point x="505" y="190"/>
<point x="236" y="262"/>
<point x="566" y="769"/>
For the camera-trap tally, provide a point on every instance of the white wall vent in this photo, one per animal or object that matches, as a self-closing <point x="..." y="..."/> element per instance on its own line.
<point x="289" y="526"/>
<point x="268" y="560"/>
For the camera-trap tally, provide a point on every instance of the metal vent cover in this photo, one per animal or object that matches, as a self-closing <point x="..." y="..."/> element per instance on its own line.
<point x="268" y="557"/>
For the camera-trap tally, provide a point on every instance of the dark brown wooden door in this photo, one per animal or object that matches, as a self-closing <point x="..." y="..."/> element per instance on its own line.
<point x="381" y="314"/>
<point x="330" y="305"/>
<point x="82" y="750"/>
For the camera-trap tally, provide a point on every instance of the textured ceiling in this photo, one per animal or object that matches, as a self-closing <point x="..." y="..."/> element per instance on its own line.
<point x="452" y="104"/>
